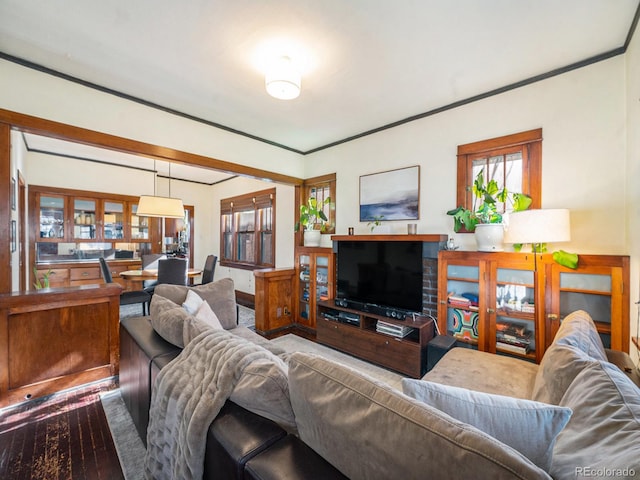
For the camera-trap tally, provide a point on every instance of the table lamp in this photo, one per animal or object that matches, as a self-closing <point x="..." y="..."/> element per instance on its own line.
<point x="538" y="227"/>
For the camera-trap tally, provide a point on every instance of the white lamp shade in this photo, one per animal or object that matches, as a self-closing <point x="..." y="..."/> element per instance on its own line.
<point x="538" y="226"/>
<point x="282" y="80"/>
<point x="152" y="206"/>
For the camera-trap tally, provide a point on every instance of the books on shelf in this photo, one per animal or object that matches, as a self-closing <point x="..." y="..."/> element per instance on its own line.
<point x="509" y="347"/>
<point x="513" y="337"/>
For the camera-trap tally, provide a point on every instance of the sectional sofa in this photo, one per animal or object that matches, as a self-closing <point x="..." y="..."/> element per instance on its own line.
<point x="475" y="415"/>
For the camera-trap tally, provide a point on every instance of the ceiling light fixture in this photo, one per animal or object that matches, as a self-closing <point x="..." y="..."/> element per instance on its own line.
<point x="282" y="80"/>
<point x="156" y="206"/>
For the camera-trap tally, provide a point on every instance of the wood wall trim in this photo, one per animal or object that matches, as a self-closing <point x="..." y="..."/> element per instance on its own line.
<point x="501" y="142"/>
<point x="50" y="128"/>
<point x="5" y="207"/>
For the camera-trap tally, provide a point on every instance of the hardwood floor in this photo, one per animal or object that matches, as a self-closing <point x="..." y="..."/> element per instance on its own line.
<point x="59" y="437"/>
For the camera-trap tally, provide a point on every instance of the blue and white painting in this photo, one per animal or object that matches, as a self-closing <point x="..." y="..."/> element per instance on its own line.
<point x="392" y="195"/>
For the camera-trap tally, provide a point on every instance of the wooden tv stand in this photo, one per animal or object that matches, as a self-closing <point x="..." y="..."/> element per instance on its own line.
<point x="405" y="355"/>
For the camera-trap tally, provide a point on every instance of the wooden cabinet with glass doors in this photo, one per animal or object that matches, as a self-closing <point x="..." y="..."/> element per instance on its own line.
<point x="513" y="303"/>
<point x="599" y="286"/>
<point x="70" y="229"/>
<point x="314" y="282"/>
<point x="490" y="301"/>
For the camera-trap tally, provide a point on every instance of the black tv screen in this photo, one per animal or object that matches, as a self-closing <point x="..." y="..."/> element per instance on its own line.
<point x="382" y="273"/>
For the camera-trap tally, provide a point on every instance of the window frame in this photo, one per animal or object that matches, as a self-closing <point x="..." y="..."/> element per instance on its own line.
<point x="529" y="143"/>
<point x="255" y="202"/>
<point x="304" y="191"/>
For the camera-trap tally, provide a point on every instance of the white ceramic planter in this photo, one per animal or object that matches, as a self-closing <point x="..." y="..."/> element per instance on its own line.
<point x="489" y="237"/>
<point x="312" y="238"/>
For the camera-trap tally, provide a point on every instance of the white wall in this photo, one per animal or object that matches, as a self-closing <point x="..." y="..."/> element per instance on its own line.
<point x="583" y="165"/>
<point x="18" y="154"/>
<point x="632" y="184"/>
<point x="30" y="92"/>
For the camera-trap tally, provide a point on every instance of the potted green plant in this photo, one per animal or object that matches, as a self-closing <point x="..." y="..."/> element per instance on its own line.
<point x="312" y="215"/>
<point x="484" y="218"/>
<point x="42" y="282"/>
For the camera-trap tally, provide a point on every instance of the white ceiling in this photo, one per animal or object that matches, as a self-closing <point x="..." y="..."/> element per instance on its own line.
<point x="365" y="63"/>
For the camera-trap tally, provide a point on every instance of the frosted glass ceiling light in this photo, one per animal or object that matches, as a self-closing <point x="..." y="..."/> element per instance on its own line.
<point x="282" y="80"/>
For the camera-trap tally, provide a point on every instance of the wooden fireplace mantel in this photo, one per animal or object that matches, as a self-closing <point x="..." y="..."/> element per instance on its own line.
<point x="434" y="237"/>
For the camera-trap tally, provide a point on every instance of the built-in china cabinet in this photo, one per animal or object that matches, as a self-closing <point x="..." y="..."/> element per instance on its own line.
<point x="514" y="303"/>
<point x="70" y="229"/>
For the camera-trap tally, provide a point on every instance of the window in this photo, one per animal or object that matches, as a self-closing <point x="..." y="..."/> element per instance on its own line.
<point x="514" y="161"/>
<point x="321" y="188"/>
<point x="247" y="225"/>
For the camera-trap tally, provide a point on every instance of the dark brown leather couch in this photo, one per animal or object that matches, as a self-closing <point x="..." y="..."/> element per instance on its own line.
<point x="240" y="444"/>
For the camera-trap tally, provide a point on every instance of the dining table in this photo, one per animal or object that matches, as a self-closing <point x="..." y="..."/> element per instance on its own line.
<point x="152" y="274"/>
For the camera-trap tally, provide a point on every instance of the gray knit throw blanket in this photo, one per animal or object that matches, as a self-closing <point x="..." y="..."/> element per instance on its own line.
<point x="188" y="394"/>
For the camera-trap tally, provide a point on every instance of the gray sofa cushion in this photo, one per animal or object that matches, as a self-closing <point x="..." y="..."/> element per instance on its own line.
<point x="559" y="367"/>
<point x="485" y="372"/>
<point x="368" y="430"/>
<point x="603" y="435"/>
<point x="578" y="330"/>
<point x="220" y="295"/>
<point x="529" y="427"/>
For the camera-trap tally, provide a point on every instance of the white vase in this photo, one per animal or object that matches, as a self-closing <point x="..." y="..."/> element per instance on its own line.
<point x="312" y="238"/>
<point x="489" y="237"/>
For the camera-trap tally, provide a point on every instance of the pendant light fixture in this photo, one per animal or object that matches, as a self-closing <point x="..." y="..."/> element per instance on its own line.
<point x="282" y="80"/>
<point x="156" y="206"/>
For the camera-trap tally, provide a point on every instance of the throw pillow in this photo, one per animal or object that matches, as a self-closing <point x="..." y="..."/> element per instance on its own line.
<point x="220" y="295"/>
<point x="578" y="330"/>
<point x="367" y="429"/>
<point x="529" y="427"/>
<point x="208" y="316"/>
<point x="167" y="319"/>
<point x="603" y="434"/>
<point x="263" y="389"/>
<point x="192" y="302"/>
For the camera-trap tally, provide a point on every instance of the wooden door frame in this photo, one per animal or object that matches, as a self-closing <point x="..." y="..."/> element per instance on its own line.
<point x="10" y="120"/>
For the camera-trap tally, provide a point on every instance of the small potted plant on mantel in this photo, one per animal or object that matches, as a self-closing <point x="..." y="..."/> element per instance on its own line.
<point x="310" y="213"/>
<point x="484" y="218"/>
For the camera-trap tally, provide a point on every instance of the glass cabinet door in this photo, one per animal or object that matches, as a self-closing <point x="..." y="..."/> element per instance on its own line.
<point x="304" y="267"/>
<point x="51" y="217"/>
<point x="515" y="312"/>
<point x="322" y="278"/>
<point x="139" y="225"/>
<point x="461" y="306"/>
<point x="84" y="219"/>
<point x="113" y="220"/>
<point x="590" y="292"/>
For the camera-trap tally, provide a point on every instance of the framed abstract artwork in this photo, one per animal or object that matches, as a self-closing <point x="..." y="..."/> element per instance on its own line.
<point x="390" y="195"/>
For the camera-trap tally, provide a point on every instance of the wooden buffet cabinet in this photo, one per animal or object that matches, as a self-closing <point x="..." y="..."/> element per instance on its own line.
<point x="54" y="339"/>
<point x="513" y="303"/>
<point x="70" y="229"/>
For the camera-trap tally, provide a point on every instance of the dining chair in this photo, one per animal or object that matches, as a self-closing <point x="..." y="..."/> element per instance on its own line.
<point x="150" y="261"/>
<point x="171" y="270"/>
<point x="209" y="269"/>
<point x="126" y="298"/>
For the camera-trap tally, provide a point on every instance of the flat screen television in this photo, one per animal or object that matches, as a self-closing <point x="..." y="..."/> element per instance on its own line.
<point x="383" y="273"/>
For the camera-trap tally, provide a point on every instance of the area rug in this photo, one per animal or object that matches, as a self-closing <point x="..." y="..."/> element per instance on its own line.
<point x="129" y="447"/>
<point x="62" y="436"/>
<point x="293" y="343"/>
